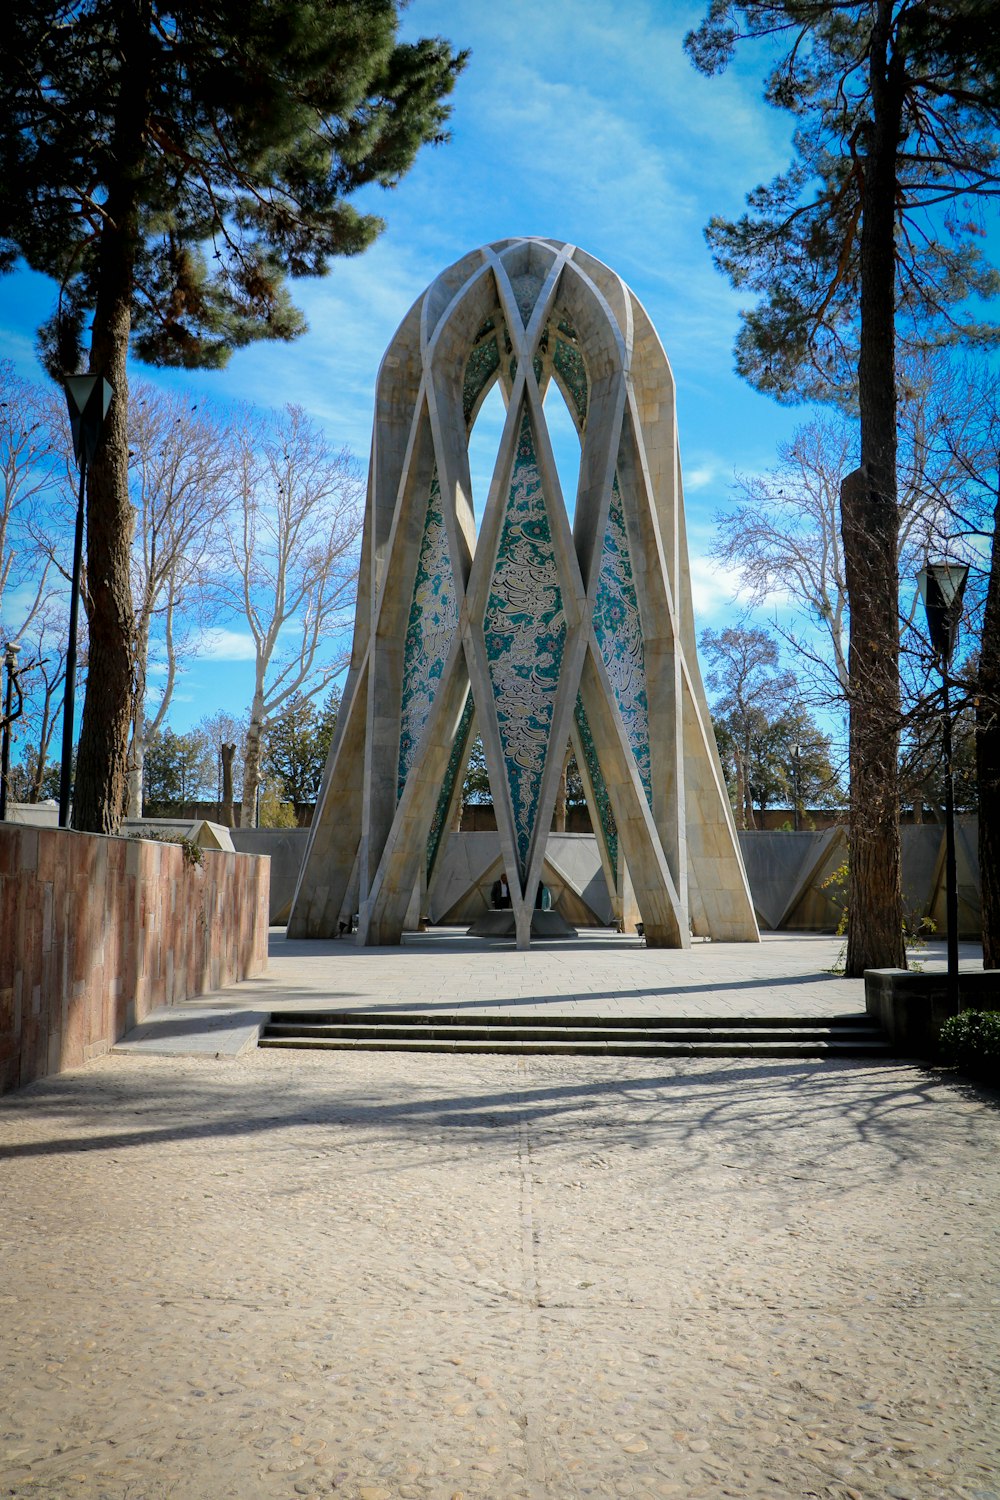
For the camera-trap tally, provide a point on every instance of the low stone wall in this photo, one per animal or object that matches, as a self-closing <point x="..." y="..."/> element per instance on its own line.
<point x="96" y="932"/>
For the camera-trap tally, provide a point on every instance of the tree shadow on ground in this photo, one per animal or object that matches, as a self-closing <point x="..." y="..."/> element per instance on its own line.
<point x="774" y="1115"/>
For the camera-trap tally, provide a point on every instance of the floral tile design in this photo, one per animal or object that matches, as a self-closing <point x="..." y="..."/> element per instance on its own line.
<point x="572" y="371"/>
<point x="525" y="630"/>
<point x="480" y="367"/>
<point x="431" y="629"/>
<point x="619" y="636"/>
<point x="605" y="812"/>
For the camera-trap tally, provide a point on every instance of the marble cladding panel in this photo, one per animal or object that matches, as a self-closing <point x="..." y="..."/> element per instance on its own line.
<point x="619" y="636"/>
<point x="430" y="632"/>
<point x="96" y="932"/>
<point x="525" y="632"/>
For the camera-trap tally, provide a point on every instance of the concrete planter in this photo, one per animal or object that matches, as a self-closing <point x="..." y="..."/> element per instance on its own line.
<point x="912" y="1007"/>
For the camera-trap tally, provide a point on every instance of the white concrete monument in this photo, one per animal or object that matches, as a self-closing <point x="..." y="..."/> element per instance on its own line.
<point x="538" y="631"/>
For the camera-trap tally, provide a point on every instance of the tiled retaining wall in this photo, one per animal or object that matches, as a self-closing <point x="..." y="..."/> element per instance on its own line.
<point x="96" y="932"/>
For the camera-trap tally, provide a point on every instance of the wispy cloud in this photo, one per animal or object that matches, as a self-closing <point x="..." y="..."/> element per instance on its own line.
<point x="221" y="644"/>
<point x="715" y="591"/>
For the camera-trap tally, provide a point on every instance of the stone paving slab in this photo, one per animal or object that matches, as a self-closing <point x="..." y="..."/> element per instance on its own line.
<point x="194" y="1030"/>
<point x="385" y="1278"/>
<point x="600" y="974"/>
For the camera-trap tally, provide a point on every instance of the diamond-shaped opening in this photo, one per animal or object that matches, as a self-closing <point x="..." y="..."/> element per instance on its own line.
<point x="484" y="444"/>
<point x="565" y="444"/>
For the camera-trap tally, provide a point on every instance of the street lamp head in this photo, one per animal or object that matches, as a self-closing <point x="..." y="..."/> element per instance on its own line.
<point x="88" y="398"/>
<point x="942" y="585"/>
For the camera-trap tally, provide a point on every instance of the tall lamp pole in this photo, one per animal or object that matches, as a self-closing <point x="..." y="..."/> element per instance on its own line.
<point x="942" y="585"/>
<point x="10" y="662"/>
<point x="88" y="398"/>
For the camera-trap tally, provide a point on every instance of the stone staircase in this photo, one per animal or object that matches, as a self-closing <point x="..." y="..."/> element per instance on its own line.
<point x="854" y="1036"/>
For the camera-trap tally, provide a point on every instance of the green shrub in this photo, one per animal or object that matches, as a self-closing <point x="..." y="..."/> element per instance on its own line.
<point x="971" y="1041"/>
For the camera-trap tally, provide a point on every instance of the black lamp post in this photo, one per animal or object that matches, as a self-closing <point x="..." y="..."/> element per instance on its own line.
<point x="88" y="398"/>
<point x="942" y="585"/>
<point x="10" y="662"/>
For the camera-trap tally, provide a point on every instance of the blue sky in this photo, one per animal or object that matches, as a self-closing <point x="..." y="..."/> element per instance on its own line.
<point x="578" y="119"/>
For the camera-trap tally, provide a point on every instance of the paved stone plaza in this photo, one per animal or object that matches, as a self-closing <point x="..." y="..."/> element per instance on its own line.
<point x="268" y="1274"/>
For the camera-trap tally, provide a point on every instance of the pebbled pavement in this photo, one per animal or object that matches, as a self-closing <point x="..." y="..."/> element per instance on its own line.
<point x="270" y="1275"/>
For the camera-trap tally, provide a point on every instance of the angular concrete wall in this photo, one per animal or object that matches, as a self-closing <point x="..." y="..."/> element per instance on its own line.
<point x="793" y="878"/>
<point x="285" y="848"/>
<point x="96" y="932"/>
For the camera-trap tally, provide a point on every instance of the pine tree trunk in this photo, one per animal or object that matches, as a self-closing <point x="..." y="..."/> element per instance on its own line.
<point x="988" y="758"/>
<point x="101" y="790"/>
<point x="870" y="528"/>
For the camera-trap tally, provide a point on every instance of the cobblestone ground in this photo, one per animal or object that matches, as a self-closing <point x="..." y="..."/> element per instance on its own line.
<point x="377" y="1277"/>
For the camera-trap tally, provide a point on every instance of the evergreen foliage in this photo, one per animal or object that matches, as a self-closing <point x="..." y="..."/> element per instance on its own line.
<point x="171" y="166"/>
<point x="799" y="246"/>
<point x="297" y="744"/>
<point x="219" y="147"/>
<point x="873" y="231"/>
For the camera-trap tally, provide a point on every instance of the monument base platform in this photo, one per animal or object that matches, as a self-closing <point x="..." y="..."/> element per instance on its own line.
<point x="500" y="924"/>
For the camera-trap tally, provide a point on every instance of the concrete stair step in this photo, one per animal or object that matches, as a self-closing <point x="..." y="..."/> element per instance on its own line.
<point x="847" y="1036"/>
<point x="584" y="1049"/>
<point x="545" y="1033"/>
<point x="424" y="1018"/>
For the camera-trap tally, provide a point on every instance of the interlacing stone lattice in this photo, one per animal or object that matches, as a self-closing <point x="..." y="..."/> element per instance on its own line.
<point x="560" y="621"/>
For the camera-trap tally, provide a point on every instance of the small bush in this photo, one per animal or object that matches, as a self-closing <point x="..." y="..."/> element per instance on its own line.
<point x="971" y="1041"/>
<point x="193" y="854"/>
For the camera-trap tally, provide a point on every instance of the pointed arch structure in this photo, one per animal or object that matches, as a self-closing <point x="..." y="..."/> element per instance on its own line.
<point x="537" y="631"/>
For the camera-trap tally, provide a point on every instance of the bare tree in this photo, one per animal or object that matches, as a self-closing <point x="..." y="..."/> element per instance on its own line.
<point x="43" y="678"/>
<point x="784" y="534"/>
<point x="32" y="465"/>
<point x="227" y="736"/>
<point x="292" y="539"/>
<point x="751" y="688"/>
<point x="178" y="471"/>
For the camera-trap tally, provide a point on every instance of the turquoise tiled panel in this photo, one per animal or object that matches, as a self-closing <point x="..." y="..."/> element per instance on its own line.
<point x="431" y="629"/>
<point x="570" y="366"/>
<point x="619" y="636"/>
<point x="480" y="367"/>
<point x="525" y="631"/>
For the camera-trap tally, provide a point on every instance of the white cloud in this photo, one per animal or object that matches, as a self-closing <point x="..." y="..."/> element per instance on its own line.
<point x="226" y="645"/>
<point x="715" y="591"/>
<point x="701" y="476"/>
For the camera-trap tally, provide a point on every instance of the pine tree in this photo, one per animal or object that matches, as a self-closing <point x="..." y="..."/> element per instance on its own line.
<point x="872" y="232"/>
<point x="298" y="741"/>
<point x="171" y="166"/>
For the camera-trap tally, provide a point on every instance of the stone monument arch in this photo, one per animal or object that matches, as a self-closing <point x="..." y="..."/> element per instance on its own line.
<point x="539" y="631"/>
